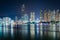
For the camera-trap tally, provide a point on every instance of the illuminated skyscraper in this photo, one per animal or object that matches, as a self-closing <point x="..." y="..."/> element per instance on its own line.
<point x="49" y="16"/>
<point x="24" y="15"/>
<point x="41" y="15"/>
<point x="23" y="10"/>
<point x="45" y="16"/>
<point x="32" y="17"/>
<point x="57" y="15"/>
<point x="53" y="15"/>
<point x="25" y="18"/>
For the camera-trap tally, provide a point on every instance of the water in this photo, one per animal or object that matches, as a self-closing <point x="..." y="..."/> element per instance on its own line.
<point x="41" y="31"/>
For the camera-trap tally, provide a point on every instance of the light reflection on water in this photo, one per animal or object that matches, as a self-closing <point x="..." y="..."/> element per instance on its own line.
<point x="34" y="31"/>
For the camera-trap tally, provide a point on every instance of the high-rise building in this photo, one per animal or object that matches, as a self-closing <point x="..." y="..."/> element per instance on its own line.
<point x="41" y="15"/>
<point x="24" y="15"/>
<point x="53" y="15"/>
<point x="45" y="16"/>
<point x="23" y="10"/>
<point x="32" y="17"/>
<point x="49" y="16"/>
<point x="25" y="18"/>
<point x="57" y="15"/>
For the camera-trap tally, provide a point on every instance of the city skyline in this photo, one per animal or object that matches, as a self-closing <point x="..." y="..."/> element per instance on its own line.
<point x="29" y="19"/>
<point x="45" y="16"/>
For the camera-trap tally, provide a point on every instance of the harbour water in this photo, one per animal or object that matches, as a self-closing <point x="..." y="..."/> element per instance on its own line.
<point x="33" y="31"/>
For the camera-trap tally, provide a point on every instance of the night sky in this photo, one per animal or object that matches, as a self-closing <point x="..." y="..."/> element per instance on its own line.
<point x="12" y="8"/>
